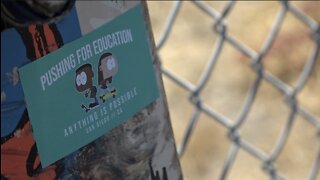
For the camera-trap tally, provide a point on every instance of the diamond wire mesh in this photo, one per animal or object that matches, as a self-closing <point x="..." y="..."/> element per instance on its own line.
<point x="289" y="92"/>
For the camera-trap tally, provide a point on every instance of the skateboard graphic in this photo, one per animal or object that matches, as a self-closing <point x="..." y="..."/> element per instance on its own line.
<point x="108" y="95"/>
<point x="107" y="68"/>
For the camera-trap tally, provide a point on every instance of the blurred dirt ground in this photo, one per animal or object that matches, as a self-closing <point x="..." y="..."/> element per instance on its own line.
<point x="187" y="51"/>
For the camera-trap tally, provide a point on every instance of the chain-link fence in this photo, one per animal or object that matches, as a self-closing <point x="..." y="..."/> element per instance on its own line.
<point x="289" y="92"/>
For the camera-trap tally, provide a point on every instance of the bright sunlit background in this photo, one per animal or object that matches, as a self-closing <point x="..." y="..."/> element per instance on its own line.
<point x="187" y="51"/>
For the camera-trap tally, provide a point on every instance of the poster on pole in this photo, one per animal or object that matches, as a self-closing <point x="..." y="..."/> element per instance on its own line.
<point x="95" y="102"/>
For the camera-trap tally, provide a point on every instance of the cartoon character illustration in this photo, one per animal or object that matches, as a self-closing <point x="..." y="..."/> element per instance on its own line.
<point x="19" y="154"/>
<point x="84" y="82"/>
<point x="108" y="67"/>
<point x="40" y="39"/>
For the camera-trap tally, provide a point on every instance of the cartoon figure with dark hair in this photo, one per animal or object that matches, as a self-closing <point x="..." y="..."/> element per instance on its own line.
<point x="84" y="82"/>
<point x="108" y="67"/>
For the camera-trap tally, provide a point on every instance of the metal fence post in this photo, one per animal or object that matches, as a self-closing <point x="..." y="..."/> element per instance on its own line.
<point x="141" y="148"/>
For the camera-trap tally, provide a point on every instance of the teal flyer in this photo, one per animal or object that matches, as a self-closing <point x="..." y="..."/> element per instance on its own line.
<point x="88" y="87"/>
